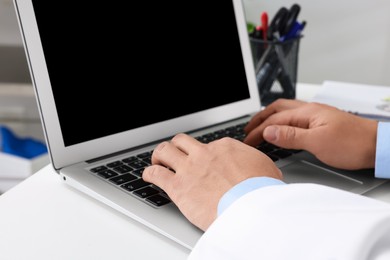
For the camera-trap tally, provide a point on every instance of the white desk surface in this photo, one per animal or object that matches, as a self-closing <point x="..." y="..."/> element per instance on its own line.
<point x="43" y="218"/>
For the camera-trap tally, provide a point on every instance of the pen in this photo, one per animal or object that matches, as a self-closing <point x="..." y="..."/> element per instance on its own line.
<point x="295" y="31"/>
<point x="264" y="25"/>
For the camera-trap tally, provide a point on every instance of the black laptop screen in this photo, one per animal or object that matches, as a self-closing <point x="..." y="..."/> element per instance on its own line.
<point x="118" y="66"/>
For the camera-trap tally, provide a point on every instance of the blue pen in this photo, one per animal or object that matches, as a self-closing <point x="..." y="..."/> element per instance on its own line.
<point x="295" y="31"/>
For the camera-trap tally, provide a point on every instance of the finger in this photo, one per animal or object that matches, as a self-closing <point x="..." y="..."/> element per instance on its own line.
<point x="168" y="154"/>
<point x="159" y="176"/>
<point x="185" y="142"/>
<point x="294" y="117"/>
<point x="275" y="107"/>
<point x="287" y="136"/>
<point x="255" y="137"/>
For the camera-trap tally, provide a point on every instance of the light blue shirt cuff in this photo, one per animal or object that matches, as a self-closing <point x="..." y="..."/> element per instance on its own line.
<point x="243" y="188"/>
<point x="382" y="158"/>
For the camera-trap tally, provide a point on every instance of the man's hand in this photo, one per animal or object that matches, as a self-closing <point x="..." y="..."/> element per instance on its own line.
<point x="337" y="138"/>
<point x="196" y="175"/>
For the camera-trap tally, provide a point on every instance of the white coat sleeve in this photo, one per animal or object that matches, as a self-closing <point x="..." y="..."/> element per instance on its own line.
<point x="299" y="221"/>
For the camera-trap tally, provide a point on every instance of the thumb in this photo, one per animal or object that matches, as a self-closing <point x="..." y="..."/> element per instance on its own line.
<point x="285" y="136"/>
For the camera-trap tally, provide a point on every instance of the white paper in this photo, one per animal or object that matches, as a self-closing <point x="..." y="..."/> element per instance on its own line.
<point x="357" y="98"/>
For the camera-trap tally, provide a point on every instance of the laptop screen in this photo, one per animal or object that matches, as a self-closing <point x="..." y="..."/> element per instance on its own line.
<point x="123" y="67"/>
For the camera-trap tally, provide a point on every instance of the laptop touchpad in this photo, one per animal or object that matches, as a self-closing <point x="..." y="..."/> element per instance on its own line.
<point x="303" y="172"/>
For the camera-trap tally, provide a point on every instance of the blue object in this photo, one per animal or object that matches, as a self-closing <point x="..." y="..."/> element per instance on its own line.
<point x="382" y="160"/>
<point x="294" y="32"/>
<point x="22" y="147"/>
<point x="243" y="188"/>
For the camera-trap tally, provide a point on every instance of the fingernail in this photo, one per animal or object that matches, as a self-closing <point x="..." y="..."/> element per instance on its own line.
<point x="270" y="133"/>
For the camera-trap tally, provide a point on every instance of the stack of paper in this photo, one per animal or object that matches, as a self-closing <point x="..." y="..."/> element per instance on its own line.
<point x="366" y="100"/>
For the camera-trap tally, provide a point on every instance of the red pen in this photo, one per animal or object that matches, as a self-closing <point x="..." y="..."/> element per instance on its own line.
<point x="264" y="25"/>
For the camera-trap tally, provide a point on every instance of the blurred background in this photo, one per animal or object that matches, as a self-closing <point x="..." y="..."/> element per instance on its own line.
<point x="13" y="65"/>
<point x="344" y="41"/>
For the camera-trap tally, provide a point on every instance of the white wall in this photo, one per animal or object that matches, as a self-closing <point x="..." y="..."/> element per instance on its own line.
<point x="346" y="40"/>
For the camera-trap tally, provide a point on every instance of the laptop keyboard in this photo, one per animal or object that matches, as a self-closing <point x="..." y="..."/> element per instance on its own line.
<point x="126" y="173"/>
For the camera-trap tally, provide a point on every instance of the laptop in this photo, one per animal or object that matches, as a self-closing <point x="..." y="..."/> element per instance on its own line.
<point x="110" y="86"/>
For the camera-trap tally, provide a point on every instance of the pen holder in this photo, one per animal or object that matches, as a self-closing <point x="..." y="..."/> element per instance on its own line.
<point x="276" y="66"/>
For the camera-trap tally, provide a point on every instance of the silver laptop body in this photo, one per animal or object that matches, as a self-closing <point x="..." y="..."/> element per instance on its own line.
<point x="189" y="67"/>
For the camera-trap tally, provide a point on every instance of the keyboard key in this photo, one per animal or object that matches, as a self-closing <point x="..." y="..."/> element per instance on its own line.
<point x="146" y="155"/>
<point x="107" y="174"/>
<point x="118" y="180"/>
<point x="293" y="150"/>
<point x="146" y="192"/>
<point x="158" y="200"/>
<point x="114" y="164"/>
<point x="134" y="185"/>
<point x="130" y="159"/>
<point x="281" y="153"/>
<point x="138" y="164"/>
<point x="123" y="169"/>
<point x="265" y="148"/>
<point x="98" y="169"/>
<point x="138" y="172"/>
<point x="273" y="157"/>
<point x="147" y="160"/>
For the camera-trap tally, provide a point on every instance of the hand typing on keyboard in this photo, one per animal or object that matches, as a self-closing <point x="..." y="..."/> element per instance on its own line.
<point x="195" y="175"/>
<point x="337" y="138"/>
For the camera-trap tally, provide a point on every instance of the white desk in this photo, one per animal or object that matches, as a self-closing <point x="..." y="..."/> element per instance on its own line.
<point x="43" y="218"/>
